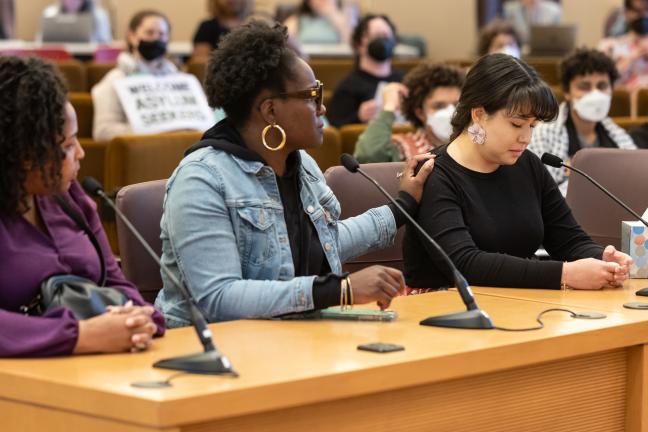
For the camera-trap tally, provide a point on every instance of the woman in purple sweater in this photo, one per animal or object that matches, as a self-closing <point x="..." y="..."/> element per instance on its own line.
<point x="40" y="159"/>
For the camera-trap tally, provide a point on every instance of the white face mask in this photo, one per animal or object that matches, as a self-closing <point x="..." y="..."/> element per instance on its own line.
<point x="511" y="50"/>
<point x="594" y="106"/>
<point x="439" y="122"/>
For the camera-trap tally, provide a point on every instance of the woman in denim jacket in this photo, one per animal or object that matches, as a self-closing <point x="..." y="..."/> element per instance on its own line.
<point x="249" y="223"/>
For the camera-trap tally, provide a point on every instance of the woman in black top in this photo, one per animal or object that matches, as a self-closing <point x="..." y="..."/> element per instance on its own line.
<point x="226" y="15"/>
<point x="491" y="204"/>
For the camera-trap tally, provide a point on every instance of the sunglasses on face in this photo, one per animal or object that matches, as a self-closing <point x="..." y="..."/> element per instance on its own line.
<point x="314" y="93"/>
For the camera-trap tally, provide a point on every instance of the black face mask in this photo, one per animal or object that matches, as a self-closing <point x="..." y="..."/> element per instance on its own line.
<point x="151" y="50"/>
<point x="381" y="48"/>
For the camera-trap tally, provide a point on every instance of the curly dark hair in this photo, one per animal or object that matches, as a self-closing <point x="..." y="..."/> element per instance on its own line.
<point x="422" y="80"/>
<point x="32" y="115"/>
<point x="251" y="58"/>
<point x="586" y="61"/>
<point x="363" y="25"/>
<point x="491" y="31"/>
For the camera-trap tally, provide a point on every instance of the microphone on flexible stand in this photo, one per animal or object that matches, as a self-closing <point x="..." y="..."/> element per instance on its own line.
<point x="554" y="161"/>
<point x="210" y="362"/>
<point x="473" y="317"/>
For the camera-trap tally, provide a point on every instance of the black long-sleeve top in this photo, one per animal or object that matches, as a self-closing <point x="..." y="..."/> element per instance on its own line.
<point x="490" y="225"/>
<point x="357" y="87"/>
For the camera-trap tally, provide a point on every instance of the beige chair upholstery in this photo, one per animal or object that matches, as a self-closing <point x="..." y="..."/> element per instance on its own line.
<point x="350" y="133"/>
<point x="75" y="74"/>
<point x="622" y="172"/>
<point x="134" y="159"/>
<point x="96" y="72"/>
<point x="142" y="205"/>
<point x="357" y="195"/>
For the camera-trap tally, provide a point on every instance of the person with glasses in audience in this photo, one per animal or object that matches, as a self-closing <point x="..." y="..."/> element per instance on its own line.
<point x="249" y="223"/>
<point x="427" y="98"/>
<point x="38" y="239"/>
<point x="490" y="203"/>
<point x="355" y="100"/>
<point x="148" y="34"/>
<point x="587" y="77"/>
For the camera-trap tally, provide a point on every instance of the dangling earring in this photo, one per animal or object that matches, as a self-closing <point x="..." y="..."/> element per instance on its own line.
<point x="477" y="134"/>
<point x="281" y="131"/>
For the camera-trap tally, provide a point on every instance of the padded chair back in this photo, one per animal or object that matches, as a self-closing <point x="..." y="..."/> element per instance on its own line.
<point x="75" y="74"/>
<point x="134" y="159"/>
<point x="548" y="68"/>
<point x="328" y="154"/>
<point x="197" y="68"/>
<point x="357" y="195"/>
<point x="350" y="133"/>
<point x="622" y="172"/>
<point x="50" y="53"/>
<point x="96" y="71"/>
<point x="620" y="103"/>
<point x="82" y="103"/>
<point x="142" y="205"/>
<point x="629" y="123"/>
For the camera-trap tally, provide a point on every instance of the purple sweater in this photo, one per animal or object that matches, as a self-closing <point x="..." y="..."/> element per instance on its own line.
<point x="28" y="256"/>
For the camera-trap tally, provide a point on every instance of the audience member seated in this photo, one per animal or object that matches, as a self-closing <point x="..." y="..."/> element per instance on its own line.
<point x="587" y="77"/>
<point x="427" y="98"/>
<point x="491" y="204"/>
<point x="40" y="160"/>
<point x="499" y="36"/>
<point x="354" y="99"/>
<point x="148" y="36"/>
<point x="102" y="29"/>
<point x="249" y="222"/>
<point x="525" y="13"/>
<point x="225" y="16"/>
<point x="321" y="21"/>
<point x="639" y="135"/>
<point x="620" y="18"/>
<point x="630" y="54"/>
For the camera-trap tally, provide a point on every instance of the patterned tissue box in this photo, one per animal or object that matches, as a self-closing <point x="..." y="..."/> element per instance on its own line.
<point x="634" y="242"/>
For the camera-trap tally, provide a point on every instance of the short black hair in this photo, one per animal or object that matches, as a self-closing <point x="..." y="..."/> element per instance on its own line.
<point x="363" y="25"/>
<point x="32" y="118"/>
<point x="422" y="80"/>
<point x="251" y="58"/>
<point x="500" y="81"/>
<point x="586" y="61"/>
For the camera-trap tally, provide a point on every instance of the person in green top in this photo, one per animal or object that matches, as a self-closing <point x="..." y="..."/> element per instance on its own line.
<point x="427" y="98"/>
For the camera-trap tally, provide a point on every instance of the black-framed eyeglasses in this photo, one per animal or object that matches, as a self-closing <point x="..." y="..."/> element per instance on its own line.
<point x="315" y="93"/>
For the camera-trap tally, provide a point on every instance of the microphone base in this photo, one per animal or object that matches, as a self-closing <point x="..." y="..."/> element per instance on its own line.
<point x="470" y="319"/>
<point x="206" y="363"/>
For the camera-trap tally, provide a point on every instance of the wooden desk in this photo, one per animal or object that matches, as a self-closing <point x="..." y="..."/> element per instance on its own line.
<point x="296" y="376"/>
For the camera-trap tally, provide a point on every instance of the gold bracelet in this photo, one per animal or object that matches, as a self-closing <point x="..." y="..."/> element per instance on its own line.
<point x="564" y="286"/>
<point x="348" y="281"/>
<point x="342" y="282"/>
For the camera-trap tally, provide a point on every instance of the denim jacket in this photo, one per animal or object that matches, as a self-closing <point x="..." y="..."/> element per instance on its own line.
<point x="224" y="235"/>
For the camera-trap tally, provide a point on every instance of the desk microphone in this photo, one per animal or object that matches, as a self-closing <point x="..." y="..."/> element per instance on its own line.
<point x="554" y="161"/>
<point x="210" y="362"/>
<point x="473" y="317"/>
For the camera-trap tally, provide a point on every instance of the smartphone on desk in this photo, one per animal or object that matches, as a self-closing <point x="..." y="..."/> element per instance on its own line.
<point x="358" y="314"/>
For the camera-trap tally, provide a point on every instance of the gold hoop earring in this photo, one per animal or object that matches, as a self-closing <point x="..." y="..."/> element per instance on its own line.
<point x="281" y="131"/>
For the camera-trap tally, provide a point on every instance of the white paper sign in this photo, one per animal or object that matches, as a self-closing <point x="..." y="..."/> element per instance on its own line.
<point x="161" y="104"/>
